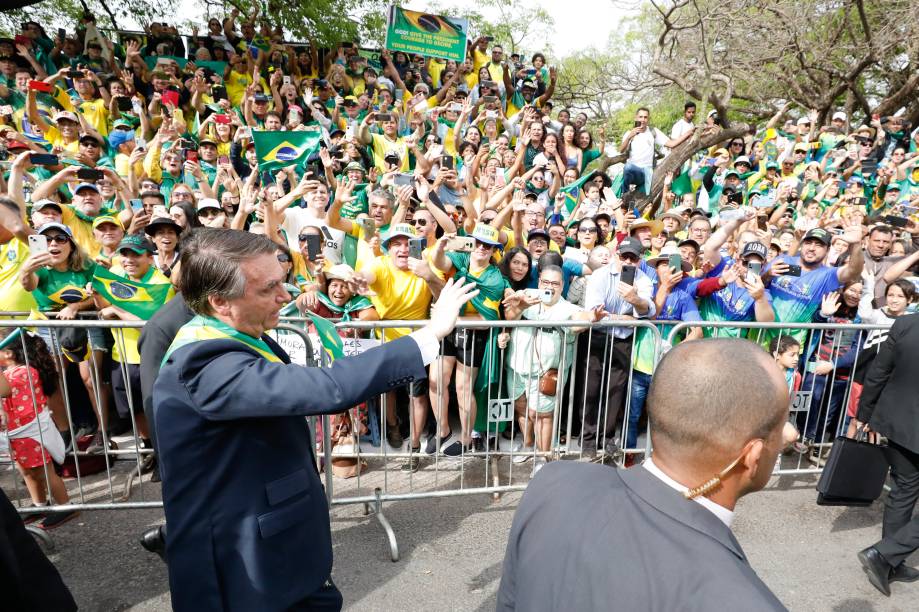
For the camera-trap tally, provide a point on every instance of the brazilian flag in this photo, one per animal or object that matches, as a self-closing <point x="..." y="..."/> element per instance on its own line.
<point x="139" y="298"/>
<point x="571" y="191"/>
<point x="276" y="150"/>
<point x="328" y="336"/>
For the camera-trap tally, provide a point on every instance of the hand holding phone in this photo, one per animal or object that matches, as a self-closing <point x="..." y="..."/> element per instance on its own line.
<point x="627" y="275"/>
<point x="38" y="244"/>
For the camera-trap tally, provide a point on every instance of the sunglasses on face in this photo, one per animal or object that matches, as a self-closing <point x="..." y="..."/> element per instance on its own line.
<point x="628" y="258"/>
<point x="482" y="245"/>
<point x="420" y="222"/>
<point x="588" y="229"/>
<point x="58" y="238"/>
<point x="283" y="258"/>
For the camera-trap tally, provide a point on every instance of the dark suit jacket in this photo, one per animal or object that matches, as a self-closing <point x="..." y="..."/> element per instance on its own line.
<point x="890" y="399"/>
<point x="590" y="537"/>
<point x="155" y="339"/>
<point x="248" y="520"/>
<point x="28" y="581"/>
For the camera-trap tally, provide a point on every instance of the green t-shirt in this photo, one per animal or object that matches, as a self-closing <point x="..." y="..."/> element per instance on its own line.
<point x="57" y="289"/>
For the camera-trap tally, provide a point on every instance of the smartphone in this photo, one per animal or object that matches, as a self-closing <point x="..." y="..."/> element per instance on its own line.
<point x="463" y="244"/>
<point x="124" y="104"/>
<point x="286" y="79"/>
<point x="446" y="162"/>
<point x="416" y="247"/>
<point x="170" y="97"/>
<point x="191" y="155"/>
<point x="61" y="33"/>
<point x="384" y="117"/>
<point x="491" y="114"/>
<point x="754" y="269"/>
<point x="137" y="205"/>
<point x="793" y="270"/>
<point x="368" y="226"/>
<point x="38" y="243"/>
<point x="75" y="74"/>
<point x="403" y="179"/>
<point x="43" y="159"/>
<point x="454" y="107"/>
<point x="488" y="38"/>
<point x="489" y="99"/>
<point x="731" y="214"/>
<point x="19" y="39"/>
<point x="219" y="92"/>
<point x="675" y="261"/>
<point x="891" y="220"/>
<point x="863" y="202"/>
<point x="40" y="86"/>
<point x="140" y="142"/>
<point x="313" y="246"/>
<point x="89" y="174"/>
<point x="223" y="159"/>
<point x="637" y="124"/>
<point x="627" y="275"/>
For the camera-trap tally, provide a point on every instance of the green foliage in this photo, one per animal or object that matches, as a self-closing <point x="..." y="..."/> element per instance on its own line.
<point x="515" y="24"/>
<point x="53" y="14"/>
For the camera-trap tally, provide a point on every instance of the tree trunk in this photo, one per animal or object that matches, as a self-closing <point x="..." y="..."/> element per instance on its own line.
<point x="679" y="155"/>
<point x="902" y="97"/>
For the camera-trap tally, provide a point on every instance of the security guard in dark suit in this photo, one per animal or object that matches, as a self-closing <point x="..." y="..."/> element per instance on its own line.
<point x="657" y="536"/>
<point x="248" y="520"/>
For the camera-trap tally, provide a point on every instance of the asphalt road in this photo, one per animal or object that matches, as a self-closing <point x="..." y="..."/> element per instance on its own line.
<point x="451" y="551"/>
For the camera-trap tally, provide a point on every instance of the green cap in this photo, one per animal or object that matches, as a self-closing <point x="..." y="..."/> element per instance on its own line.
<point x="137" y="243"/>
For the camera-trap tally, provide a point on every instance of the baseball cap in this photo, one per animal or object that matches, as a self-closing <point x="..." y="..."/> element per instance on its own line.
<point x="107" y="219"/>
<point x="41" y="204"/>
<point x="689" y="242"/>
<point x="259" y="98"/>
<point x="205" y="203"/>
<point x="801" y="147"/>
<point x="804" y="121"/>
<point x="742" y="159"/>
<point x="754" y="248"/>
<point x="699" y="212"/>
<point x="529" y="83"/>
<point x="86" y="186"/>
<point x="399" y="229"/>
<point x="890" y="187"/>
<point x="538" y="233"/>
<point x="356" y="166"/>
<point x="66" y="115"/>
<point x="818" y="233"/>
<point x="839" y="115"/>
<point x="350" y="101"/>
<point x="631" y="246"/>
<point x="731" y="173"/>
<point x="208" y="140"/>
<point x="58" y="226"/>
<point x="90" y="137"/>
<point x="487" y="234"/>
<point x="136" y="243"/>
<point x="771" y="165"/>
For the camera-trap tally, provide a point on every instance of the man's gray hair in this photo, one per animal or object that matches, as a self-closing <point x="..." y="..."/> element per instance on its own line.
<point x="211" y="264"/>
<point x="386" y="195"/>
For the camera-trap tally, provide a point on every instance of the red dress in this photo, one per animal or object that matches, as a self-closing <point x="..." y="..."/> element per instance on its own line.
<point x="20" y="410"/>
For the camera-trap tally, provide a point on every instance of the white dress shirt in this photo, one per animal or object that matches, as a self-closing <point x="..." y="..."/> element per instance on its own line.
<point x="603" y="290"/>
<point x="724" y="515"/>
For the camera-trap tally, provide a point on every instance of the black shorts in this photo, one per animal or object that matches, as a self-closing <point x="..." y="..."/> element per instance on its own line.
<point x="467" y="345"/>
<point x="418" y="387"/>
<point x="120" y="389"/>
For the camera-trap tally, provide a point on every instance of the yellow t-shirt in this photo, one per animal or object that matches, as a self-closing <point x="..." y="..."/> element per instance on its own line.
<point x="54" y="137"/>
<point x="13" y="297"/>
<point x="400" y="295"/>
<point x="479" y="59"/>
<point x="129" y="337"/>
<point x="96" y="114"/>
<point x="82" y="231"/>
<point x="382" y="146"/>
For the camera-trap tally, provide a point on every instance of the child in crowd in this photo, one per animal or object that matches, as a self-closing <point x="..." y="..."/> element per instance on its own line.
<point x="786" y="351"/>
<point x="33" y="439"/>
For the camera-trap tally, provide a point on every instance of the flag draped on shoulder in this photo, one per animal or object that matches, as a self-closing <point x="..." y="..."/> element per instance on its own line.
<point x="276" y="150"/>
<point x="571" y="191"/>
<point x="139" y="298"/>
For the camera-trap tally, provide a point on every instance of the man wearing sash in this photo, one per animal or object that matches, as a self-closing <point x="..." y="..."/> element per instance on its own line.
<point x="248" y="520"/>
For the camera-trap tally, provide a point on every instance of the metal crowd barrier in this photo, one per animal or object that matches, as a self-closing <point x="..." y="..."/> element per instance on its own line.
<point x="600" y="389"/>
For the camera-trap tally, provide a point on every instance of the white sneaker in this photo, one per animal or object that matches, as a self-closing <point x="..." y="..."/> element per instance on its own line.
<point x="525" y="453"/>
<point x="537" y="465"/>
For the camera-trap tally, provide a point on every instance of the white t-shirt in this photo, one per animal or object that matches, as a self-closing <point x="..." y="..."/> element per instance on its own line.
<point x="679" y="128"/>
<point x="296" y="218"/>
<point x="641" y="149"/>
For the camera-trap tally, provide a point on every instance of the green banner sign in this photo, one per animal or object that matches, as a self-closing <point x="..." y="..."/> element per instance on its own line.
<point x="426" y="34"/>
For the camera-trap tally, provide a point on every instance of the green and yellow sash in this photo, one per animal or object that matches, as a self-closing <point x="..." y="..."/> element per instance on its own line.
<point x="208" y="328"/>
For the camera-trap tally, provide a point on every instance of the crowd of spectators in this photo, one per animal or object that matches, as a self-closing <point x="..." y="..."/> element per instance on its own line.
<point x="115" y="146"/>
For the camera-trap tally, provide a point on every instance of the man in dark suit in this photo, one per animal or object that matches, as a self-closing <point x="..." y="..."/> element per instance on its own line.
<point x="658" y="537"/>
<point x="248" y="520"/>
<point x="890" y="406"/>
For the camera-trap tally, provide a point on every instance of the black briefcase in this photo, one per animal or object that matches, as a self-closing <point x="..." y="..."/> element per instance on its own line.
<point x="854" y="474"/>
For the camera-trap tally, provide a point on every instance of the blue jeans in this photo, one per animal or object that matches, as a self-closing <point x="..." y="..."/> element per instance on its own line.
<point x="820" y="385"/>
<point x="633" y="175"/>
<point x="639" y="390"/>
